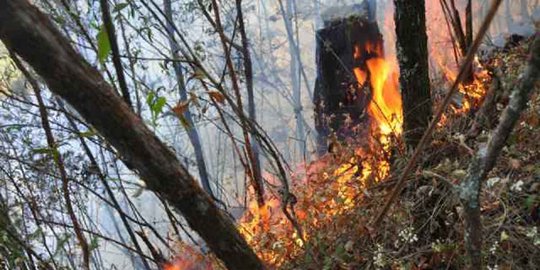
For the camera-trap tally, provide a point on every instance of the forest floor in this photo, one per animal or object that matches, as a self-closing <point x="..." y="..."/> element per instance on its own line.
<point x="337" y="197"/>
<point x="424" y="229"/>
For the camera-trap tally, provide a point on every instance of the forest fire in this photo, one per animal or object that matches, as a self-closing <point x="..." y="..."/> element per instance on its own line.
<point x="385" y="104"/>
<point x="445" y="55"/>
<point x="270" y="134"/>
<point x="328" y="190"/>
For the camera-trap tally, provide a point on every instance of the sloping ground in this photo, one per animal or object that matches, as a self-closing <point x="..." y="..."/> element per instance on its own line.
<point x="424" y="229"/>
<point x="337" y="197"/>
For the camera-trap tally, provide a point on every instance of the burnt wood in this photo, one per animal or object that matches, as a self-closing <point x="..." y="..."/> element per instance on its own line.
<point x="340" y="102"/>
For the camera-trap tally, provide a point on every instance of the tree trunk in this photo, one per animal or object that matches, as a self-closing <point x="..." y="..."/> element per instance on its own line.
<point x="32" y="35"/>
<point x="192" y="132"/>
<point x="248" y="73"/>
<point x="413" y="62"/>
<point x="508" y="15"/>
<point x="317" y="12"/>
<point x="340" y="100"/>
<point x="469" y="38"/>
<point x="524" y="8"/>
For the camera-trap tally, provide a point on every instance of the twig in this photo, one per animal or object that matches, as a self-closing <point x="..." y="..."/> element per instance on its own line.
<point x="57" y="157"/>
<point x="256" y="178"/>
<point x="109" y="28"/>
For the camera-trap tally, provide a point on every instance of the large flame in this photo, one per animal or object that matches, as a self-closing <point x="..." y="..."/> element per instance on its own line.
<point x="327" y="190"/>
<point x="331" y="190"/>
<point x="385" y="107"/>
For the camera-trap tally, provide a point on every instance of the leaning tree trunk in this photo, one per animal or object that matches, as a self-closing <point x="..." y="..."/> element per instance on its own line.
<point x="339" y="98"/>
<point x="410" y="18"/>
<point x="32" y="35"/>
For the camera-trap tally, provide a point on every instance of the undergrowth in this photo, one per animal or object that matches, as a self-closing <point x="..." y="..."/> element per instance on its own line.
<point x="424" y="229"/>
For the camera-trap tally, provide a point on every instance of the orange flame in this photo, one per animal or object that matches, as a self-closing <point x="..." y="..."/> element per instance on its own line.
<point x="385" y="106"/>
<point x="190" y="259"/>
<point x="330" y="190"/>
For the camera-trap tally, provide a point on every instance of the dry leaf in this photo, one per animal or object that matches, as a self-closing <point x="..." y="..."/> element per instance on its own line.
<point x="181" y="108"/>
<point x="217" y="96"/>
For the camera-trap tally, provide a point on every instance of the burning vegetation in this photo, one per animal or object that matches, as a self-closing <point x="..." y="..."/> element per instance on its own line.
<point x="337" y="196"/>
<point x="421" y="160"/>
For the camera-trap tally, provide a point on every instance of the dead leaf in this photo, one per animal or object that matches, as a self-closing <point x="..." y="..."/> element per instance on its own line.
<point x="181" y="108"/>
<point x="194" y="99"/>
<point x="217" y="96"/>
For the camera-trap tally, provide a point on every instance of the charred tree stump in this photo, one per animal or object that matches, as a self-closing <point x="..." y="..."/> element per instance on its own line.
<point x="343" y="45"/>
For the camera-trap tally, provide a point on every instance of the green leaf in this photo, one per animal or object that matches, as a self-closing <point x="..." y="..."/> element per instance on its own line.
<point x="46" y="151"/>
<point x="87" y="134"/>
<point x="150" y="99"/>
<point x="120" y="6"/>
<point x="104" y="46"/>
<point x="61" y="241"/>
<point x="158" y="105"/>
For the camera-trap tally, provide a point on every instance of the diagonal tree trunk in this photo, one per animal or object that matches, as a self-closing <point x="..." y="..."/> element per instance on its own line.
<point x="32" y="35"/>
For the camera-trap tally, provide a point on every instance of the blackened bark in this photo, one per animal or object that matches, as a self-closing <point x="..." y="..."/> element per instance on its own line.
<point x="32" y="35"/>
<point x="410" y="18"/>
<point x="469" y="24"/>
<point x="340" y="102"/>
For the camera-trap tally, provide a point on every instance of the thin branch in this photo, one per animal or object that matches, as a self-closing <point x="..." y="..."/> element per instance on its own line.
<point x="58" y="160"/>
<point x="485" y="158"/>
<point x="109" y="28"/>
